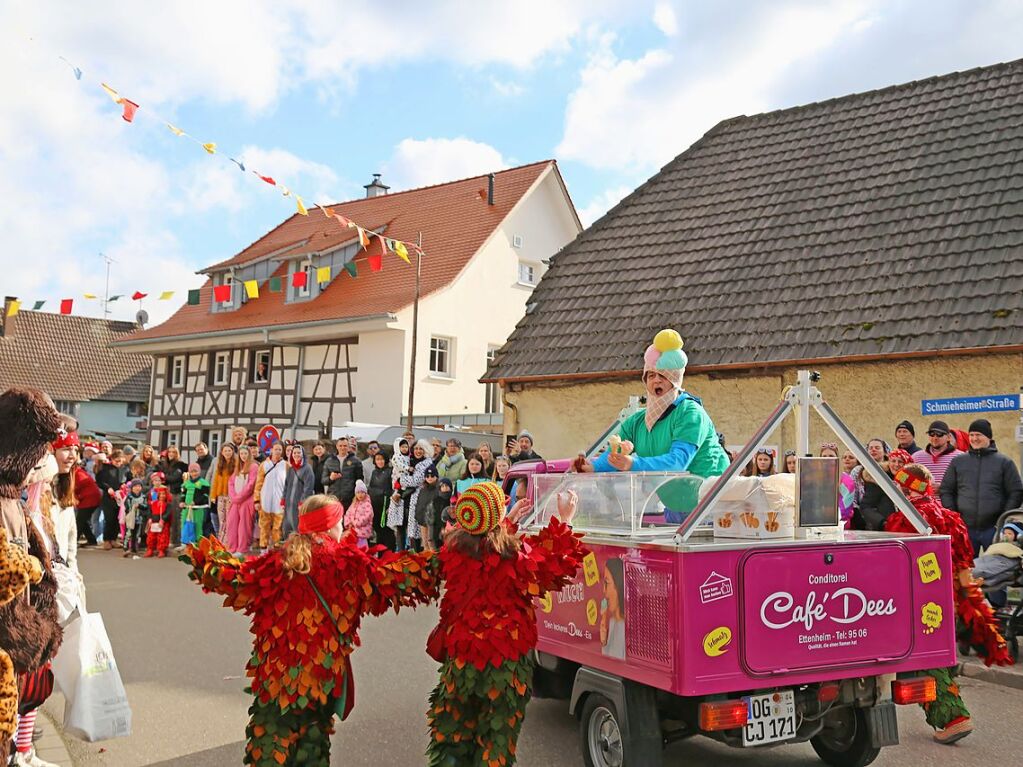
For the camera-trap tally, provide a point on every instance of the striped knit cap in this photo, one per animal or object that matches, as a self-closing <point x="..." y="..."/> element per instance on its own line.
<point x="480" y="508"/>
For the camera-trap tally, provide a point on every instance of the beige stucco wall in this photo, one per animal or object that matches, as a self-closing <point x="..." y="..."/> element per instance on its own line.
<point x="871" y="397"/>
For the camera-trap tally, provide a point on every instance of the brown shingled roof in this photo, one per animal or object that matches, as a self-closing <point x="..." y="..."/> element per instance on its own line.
<point x="454" y="219"/>
<point x="878" y="224"/>
<point x="70" y="358"/>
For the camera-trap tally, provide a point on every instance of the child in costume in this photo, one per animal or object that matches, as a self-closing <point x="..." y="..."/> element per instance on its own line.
<point x="487" y="625"/>
<point x="136" y="507"/>
<point x="195" y="502"/>
<point x="306" y="600"/>
<point x="158" y="521"/>
<point x="673" y="432"/>
<point x="401" y="466"/>
<point x="948" y="714"/>
<point x="359" y="516"/>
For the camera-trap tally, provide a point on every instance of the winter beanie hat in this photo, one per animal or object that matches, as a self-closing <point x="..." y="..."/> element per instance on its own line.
<point x="1016" y="527"/>
<point x="907" y="426"/>
<point x="664" y="356"/>
<point x="480" y="508"/>
<point x="360" y="486"/>
<point x="982" y="426"/>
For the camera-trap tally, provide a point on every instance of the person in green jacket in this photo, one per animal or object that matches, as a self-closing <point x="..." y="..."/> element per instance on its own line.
<point x="195" y="504"/>
<point x="674" y="432"/>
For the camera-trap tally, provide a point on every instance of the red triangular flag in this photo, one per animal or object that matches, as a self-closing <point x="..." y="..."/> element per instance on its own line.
<point x="342" y="220"/>
<point x="376" y="263"/>
<point x="65" y="306"/>
<point x="268" y="180"/>
<point x="130" y="107"/>
<point x="298" y="279"/>
<point x="138" y="296"/>
<point x="222" y="293"/>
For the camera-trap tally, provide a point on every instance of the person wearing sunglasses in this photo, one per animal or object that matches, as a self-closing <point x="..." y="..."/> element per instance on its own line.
<point x="939" y="452"/>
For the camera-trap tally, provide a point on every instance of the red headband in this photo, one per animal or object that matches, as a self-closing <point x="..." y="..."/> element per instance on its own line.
<point x="320" y="520"/>
<point x="65" y="438"/>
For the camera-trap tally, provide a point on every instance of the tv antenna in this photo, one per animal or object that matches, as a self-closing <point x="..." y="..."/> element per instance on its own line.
<point x="106" y="292"/>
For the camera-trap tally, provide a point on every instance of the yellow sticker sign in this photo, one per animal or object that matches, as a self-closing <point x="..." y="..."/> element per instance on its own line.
<point x="930" y="571"/>
<point x="931" y="617"/>
<point x="546" y="603"/>
<point x="591" y="612"/>
<point x="716" y="642"/>
<point x="590" y="570"/>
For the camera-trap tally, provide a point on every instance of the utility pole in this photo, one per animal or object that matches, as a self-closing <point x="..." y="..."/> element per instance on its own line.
<point x="415" y="335"/>
<point x="106" y="292"/>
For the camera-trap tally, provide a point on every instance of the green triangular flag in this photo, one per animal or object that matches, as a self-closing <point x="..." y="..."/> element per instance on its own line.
<point x="352" y="269"/>
<point x="37" y="306"/>
<point x="114" y="298"/>
<point x="193" y="297"/>
<point x="275" y="284"/>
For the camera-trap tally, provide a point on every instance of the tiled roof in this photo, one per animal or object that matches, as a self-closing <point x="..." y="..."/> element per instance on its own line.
<point x="876" y="224"/>
<point x="69" y="358"/>
<point x="454" y="219"/>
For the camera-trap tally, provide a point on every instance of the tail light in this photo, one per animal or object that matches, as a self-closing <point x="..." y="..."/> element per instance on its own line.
<point x="723" y="715"/>
<point x="828" y="692"/>
<point x="920" y="689"/>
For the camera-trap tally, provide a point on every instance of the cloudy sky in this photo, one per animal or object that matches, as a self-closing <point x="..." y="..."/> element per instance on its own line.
<point x="323" y="94"/>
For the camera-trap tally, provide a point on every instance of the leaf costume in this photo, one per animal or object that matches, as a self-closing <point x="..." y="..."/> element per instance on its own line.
<point x="971" y="608"/>
<point x="488" y="627"/>
<point x="300" y="669"/>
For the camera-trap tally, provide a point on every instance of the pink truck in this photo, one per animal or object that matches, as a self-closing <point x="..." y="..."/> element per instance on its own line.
<point x="757" y="642"/>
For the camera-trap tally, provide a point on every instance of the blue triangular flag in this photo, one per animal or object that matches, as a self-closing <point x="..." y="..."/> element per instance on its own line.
<point x="239" y="163"/>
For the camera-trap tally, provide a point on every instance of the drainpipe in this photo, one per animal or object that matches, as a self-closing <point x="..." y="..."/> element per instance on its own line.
<point x="298" y="392"/>
<point x="515" y="418"/>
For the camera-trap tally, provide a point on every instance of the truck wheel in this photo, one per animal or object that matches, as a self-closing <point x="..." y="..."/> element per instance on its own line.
<point x="845" y="741"/>
<point x="603" y="744"/>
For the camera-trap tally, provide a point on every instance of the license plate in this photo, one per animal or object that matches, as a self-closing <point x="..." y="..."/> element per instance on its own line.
<point x="770" y="718"/>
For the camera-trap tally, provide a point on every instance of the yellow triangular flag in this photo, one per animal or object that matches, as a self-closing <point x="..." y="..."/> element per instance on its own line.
<point x="88" y="295"/>
<point x="363" y="237"/>
<point x="251" y="288"/>
<point x="210" y="147"/>
<point x="13" y="307"/>
<point x="402" y="251"/>
<point x="301" y="206"/>
<point x="111" y="93"/>
<point x="323" y="274"/>
<point x="165" y="295"/>
<point x="175" y="131"/>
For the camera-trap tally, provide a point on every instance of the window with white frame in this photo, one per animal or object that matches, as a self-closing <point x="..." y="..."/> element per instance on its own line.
<point x="213" y="439"/>
<point x="303" y="291"/>
<point x="492" y="397"/>
<point x="137" y="409"/>
<point x="527" y="273"/>
<point x="173" y="439"/>
<point x="67" y="407"/>
<point x="260" y="366"/>
<point x="177" y="372"/>
<point x="440" y="356"/>
<point x="220" y="369"/>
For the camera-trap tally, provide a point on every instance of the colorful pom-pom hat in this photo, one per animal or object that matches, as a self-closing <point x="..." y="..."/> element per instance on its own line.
<point x="480" y="508"/>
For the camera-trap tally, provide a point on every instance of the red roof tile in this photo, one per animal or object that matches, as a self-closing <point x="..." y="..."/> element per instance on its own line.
<point x="454" y="219"/>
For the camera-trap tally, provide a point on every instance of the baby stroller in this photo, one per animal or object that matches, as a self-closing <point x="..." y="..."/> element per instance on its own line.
<point x="1005" y="585"/>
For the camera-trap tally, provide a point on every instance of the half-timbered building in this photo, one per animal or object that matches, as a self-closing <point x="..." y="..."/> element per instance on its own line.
<point x="308" y="358"/>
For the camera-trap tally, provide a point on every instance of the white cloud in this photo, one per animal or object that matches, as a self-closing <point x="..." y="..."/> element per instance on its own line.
<point x="506" y="88"/>
<point x="664" y="18"/>
<point x="639" y="113"/>
<point x="602" y="203"/>
<point x="421" y="162"/>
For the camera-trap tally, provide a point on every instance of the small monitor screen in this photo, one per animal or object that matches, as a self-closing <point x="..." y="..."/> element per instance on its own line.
<point x="817" y="492"/>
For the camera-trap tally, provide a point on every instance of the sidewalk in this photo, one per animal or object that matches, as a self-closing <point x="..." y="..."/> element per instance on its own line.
<point x="51" y="746"/>
<point x="1007" y="676"/>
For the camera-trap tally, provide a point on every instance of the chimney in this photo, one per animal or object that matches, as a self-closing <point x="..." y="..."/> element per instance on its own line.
<point x="7" y="322"/>
<point x="376" y="187"/>
<point x="490" y="189"/>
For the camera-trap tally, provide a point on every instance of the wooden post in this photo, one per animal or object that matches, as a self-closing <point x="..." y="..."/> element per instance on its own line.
<point x="415" y="336"/>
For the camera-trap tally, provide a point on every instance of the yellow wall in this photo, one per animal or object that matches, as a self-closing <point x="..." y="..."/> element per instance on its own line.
<point x="871" y="397"/>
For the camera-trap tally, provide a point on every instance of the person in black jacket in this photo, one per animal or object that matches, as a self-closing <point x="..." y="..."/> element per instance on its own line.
<point x="445" y="489"/>
<point x="109" y="478"/>
<point x="875" y="506"/>
<point x="981" y="485"/>
<point x="340" y="473"/>
<point x="380" y="489"/>
<point x="204" y="459"/>
<point x="316" y="464"/>
<point x="525" y="446"/>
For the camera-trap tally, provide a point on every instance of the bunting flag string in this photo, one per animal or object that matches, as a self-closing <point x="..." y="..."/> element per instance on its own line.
<point x="130" y="109"/>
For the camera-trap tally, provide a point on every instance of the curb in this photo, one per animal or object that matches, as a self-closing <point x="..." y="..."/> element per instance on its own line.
<point x="52" y="747"/>
<point x="1006" y="676"/>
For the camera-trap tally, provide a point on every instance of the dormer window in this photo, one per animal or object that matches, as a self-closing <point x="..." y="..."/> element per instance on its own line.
<point x="301" y="282"/>
<point x="304" y="289"/>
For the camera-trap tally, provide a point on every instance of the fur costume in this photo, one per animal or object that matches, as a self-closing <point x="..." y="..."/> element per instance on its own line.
<point x="300" y="669"/>
<point x="487" y="633"/>
<point x="18" y="569"/>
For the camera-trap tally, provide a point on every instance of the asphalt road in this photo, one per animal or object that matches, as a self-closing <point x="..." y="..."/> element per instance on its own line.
<point x="182" y="656"/>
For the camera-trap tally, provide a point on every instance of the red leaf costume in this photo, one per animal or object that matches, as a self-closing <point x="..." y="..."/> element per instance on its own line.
<point x="300" y="668"/>
<point x="488" y="627"/>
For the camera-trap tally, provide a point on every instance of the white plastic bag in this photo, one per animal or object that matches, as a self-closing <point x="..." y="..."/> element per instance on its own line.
<point x="84" y="669"/>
